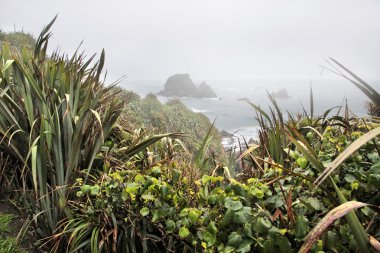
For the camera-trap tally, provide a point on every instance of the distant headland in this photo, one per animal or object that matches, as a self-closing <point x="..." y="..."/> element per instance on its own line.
<point x="181" y="85"/>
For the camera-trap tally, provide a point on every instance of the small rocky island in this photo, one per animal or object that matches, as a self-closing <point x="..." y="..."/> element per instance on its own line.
<point x="281" y="94"/>
<point x="181" y="85"/>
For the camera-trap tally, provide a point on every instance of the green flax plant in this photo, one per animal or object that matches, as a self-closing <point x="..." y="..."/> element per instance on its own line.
<point x="273" y="140"/>
<point x="271" y="134"/>
<point x="200" y="158"/>
<point x="55" y="113"/>
<point x="368" y="90"/>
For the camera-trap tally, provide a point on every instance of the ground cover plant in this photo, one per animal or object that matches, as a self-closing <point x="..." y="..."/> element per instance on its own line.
<point x="92" y="183"/>
<point x="7" y="244"/>
<point x="12" y="231"/>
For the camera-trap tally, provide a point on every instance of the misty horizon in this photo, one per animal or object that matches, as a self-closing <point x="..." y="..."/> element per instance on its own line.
<point x="151" y="40"/>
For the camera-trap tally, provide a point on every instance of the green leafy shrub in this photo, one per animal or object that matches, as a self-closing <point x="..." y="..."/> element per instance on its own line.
<point x="273" y="213"/>
<point x="164" y="214"/>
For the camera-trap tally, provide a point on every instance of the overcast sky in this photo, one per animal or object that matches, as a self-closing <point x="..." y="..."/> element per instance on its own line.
<point x="210" y="39"/>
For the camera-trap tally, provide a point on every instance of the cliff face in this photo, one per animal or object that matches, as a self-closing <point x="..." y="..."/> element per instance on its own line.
<point x="181" y="85"/>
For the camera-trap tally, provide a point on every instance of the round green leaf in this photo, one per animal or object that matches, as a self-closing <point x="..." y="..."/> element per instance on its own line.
<point x="233" y="205"/>
<point x="193" y="216"/>
<point x="244" y="246"/>
<point x="184" y="212"/>
<point x="183" y="232"/>
<point x="234" y="239"/>
<point x="313" y="203"/>
<point x="242" y="216"/>
<point x="147" y="195"/>
<point x="132" y="188"/>
<point x="257" y="192"/>
<point x="302" y="162"/>
<point x="156" y="215"/>
<point x="86" y="188"/>
<point x="302" y="226"/>
<point x="156" y="170"/>
<point x="170" y="225"/>
<point x="212" y="199"/>
<point x="263" y="225"/>
<point x="144" y="211"/>
<point x="95" y="190"/>
<point x="211" y="227"/>
<point x="208" y="237"/>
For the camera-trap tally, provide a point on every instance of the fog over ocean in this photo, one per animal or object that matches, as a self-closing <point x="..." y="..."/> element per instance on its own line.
<point x="234" y="41"/>
<point x="234" y="115"/>
<point x="229" y="40"/>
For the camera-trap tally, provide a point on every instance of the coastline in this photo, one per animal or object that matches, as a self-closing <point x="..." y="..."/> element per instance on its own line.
<point x="233" y="114"/>
<point x="248" y="134"/>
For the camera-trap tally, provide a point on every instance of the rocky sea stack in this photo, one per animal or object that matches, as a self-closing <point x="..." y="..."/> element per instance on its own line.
<point x="281" y="94"/>
<point x="181" y="85"/>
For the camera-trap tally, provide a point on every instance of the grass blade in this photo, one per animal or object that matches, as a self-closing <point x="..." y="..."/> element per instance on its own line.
<point x="257" y="108"/>
<point x="329" y="218"/>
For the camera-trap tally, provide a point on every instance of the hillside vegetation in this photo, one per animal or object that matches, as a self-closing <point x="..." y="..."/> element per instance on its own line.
<point x="17" y="39"/>
<point x="99" y="169"/>
<point x="172" y="117"/>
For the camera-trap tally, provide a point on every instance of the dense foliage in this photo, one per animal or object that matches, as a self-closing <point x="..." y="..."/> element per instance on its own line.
<point x="152" y="209"/>
<point x="95" y="181"/>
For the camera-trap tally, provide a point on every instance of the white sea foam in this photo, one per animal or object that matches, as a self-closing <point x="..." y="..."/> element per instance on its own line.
<point x="240" y="134"/>
<point x="199" y="110"/>
<point x="211" y="98"/>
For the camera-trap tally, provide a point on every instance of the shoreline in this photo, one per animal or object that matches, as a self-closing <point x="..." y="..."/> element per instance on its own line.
<point x="231" y="138"/>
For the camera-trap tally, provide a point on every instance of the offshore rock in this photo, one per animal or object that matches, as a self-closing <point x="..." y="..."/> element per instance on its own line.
<point x="205" y="91"/>
<point x="181" y="85"/>
<point x="282" y="93"/>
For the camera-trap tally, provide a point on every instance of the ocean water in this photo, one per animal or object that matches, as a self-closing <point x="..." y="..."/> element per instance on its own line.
<point x="234" y="115"/>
